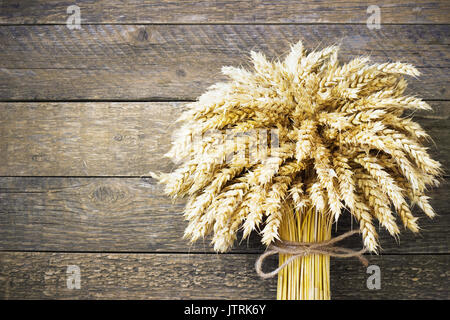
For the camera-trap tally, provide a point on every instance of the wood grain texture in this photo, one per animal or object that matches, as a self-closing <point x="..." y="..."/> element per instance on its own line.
<point x="133" y="215"/>
<point x="178" y="62"/>
<point x="119" y="139"/>
<point x="231" y="276"/>
<point x="39" y="139"/>
<point x="223" y="11"/>
<point x="71" y="191"/>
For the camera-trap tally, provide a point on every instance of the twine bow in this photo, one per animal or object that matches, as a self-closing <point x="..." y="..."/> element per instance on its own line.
<point x="302" y="249"/>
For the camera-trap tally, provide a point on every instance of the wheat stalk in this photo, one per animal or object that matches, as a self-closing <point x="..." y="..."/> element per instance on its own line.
<point x="342" y="141"/>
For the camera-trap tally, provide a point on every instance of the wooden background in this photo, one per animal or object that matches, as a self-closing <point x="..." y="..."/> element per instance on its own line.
<point x="86" y="114"/>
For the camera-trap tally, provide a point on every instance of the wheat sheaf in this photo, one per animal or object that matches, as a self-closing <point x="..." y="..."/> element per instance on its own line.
<point x="345" y="143"/>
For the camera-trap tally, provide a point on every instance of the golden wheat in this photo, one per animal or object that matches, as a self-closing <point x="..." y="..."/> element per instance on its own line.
<point x="342" y="140"/>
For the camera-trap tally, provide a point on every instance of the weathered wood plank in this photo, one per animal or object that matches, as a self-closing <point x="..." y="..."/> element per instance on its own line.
<point x="143" y="62"/>
<point x="125" y="139"/>
<point x="132" y="214"/>
<point x="223" y="11"/>
<point x="183" y="276"/>
<point x="85" y="138"/>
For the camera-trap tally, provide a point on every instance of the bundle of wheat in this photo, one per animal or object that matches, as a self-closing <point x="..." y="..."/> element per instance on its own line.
<point x="338" y="139"/>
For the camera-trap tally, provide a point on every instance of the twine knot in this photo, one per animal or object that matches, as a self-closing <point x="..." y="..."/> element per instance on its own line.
<point x="302" y="249"/>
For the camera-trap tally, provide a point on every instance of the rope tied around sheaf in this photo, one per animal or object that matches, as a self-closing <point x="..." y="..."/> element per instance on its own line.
<point x="302" y="249"/>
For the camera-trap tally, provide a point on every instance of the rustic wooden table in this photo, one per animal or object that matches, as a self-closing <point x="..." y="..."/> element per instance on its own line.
<point x="86" y="113"/>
